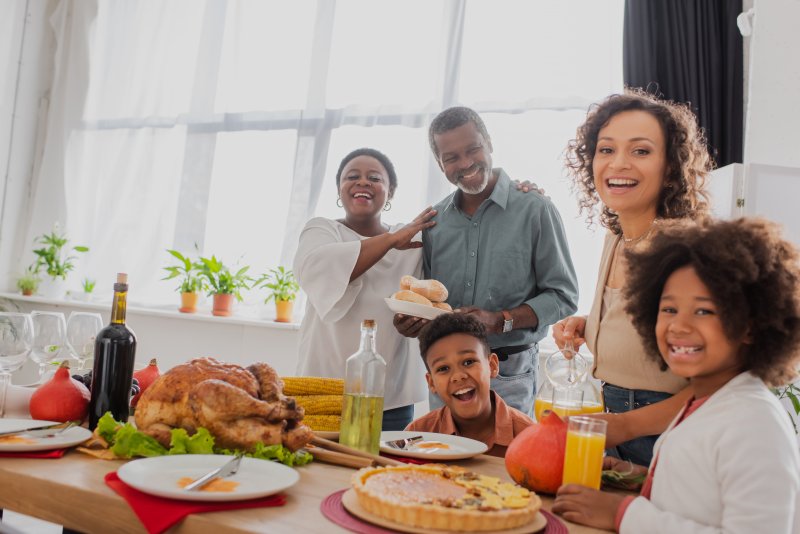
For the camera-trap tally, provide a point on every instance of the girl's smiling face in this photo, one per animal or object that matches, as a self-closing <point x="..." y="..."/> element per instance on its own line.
<point x="690" y="334"/>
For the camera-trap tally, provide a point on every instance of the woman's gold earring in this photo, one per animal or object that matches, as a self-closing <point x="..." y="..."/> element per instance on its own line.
<point x="388" y="206"/>
<point x="339" y="202"/>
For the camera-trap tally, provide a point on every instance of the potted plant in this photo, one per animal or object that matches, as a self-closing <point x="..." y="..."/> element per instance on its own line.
<point x="223" y="284"/>
<point x="51" y="257"/>
<point x="88" y="286"/>
<point x="283" y="290"/>
<point x="191" y="281"/>
<point x="29" y="282"/>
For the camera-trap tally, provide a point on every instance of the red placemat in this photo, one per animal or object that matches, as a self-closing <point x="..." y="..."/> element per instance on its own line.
<point x="157" y="514"/>
<point x="333" y="509"/>
<point x="53" y="453"/>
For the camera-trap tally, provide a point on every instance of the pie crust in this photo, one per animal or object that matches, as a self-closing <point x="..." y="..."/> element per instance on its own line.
<point x="444" y="497"/>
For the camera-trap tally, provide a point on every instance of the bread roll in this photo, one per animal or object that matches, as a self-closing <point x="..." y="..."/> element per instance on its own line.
<point x="432" y="290"/>
<point x="442" y="306"/>
<point x="410" y="296"/>
<point x="406" y="281"/>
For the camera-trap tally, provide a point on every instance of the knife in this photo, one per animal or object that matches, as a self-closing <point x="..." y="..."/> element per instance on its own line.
<point x="31" y="429"/>
<point x="228" y="468"/>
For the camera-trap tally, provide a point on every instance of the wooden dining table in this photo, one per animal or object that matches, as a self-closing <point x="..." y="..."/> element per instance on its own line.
<point x="71" y="491"/>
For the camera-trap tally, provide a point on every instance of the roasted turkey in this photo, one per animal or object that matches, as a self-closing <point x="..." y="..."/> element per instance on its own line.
<point x="239" y="406"/>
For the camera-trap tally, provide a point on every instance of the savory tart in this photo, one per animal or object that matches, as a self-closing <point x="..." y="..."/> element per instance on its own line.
<point x="444" y="497"/>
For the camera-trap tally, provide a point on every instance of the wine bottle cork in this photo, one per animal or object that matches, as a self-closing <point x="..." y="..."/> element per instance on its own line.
<point x="122" y="278"/>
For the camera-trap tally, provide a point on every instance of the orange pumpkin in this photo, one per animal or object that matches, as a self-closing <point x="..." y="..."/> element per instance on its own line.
<point x="535" y="458"/>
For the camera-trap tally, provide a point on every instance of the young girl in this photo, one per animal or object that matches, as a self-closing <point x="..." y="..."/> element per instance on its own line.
<point x="720" y="303"/>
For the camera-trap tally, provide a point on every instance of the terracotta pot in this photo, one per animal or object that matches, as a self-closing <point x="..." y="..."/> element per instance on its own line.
<point x="27" y="292"/>
<point x="283" y="311"/>
<point x="188" y="303"/>
<point x="222" y="304"/>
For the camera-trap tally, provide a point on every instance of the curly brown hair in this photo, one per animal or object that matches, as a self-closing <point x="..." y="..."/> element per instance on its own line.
<point x="753" y="276"/>
<point x="447" y="325"/>
<point x="688" y="160"/>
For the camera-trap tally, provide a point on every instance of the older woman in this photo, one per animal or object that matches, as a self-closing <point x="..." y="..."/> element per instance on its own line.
<point x="645" y="160"/>
<point x="347" y="267"/>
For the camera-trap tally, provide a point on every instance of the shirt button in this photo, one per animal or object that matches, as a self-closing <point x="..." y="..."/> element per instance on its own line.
<point x="474" y="224"/>
<point x="472" y="253"/>
<point x="469" y="284"/>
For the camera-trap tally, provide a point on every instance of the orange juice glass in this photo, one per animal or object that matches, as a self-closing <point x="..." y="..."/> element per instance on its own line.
<point x="583" y="458"/>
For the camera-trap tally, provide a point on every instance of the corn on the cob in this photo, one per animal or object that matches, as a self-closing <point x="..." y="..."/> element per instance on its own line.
<point x="312" y="385"/>
<point x="320" y="404"/>
<point x="323" y="423"/>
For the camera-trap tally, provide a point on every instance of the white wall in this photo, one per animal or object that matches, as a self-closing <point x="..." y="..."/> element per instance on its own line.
<point x="772" y="133"/>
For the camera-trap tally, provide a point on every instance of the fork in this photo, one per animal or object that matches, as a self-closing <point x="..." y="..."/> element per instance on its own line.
<point x="401" y="444"/>
<point x="47" y="432"/>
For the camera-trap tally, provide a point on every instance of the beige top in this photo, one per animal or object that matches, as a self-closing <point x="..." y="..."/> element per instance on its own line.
<point x="619" y="355"/>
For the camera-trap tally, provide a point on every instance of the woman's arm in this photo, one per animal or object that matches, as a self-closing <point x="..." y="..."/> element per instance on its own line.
<point x="375" y="248"/>
<point x="647" y="421"/>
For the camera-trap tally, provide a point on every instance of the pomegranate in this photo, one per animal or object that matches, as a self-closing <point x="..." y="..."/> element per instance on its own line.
<point x="61" y="399"/>
<point x="145" y="376"/>
<point x="535" y="458"/>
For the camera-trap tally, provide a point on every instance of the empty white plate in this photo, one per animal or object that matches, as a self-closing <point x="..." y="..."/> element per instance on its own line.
<point x="160" y="475"/>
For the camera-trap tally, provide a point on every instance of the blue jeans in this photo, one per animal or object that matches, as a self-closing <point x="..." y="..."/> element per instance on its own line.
<point x="620" y="400"/>
<point x="398" y="418"/>
<point x="515" y="383"/>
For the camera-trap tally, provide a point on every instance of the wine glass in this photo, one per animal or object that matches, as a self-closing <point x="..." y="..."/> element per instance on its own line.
<point x="16" y="339"/>
<point x="49" y="334"/>
<point x="82" y="327"/>
<point x="566" y="367"/>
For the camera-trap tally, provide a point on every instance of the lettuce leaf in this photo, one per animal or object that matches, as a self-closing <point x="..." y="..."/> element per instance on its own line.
<point x="127" y="442"/>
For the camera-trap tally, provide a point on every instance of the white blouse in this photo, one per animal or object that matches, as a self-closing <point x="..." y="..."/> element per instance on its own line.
<point x="330" y="331"/>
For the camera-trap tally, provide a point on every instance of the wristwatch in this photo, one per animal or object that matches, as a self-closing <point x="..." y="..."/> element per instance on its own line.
<point x="508" y="322"/>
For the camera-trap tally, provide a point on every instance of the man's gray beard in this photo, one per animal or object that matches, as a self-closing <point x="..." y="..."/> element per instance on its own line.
<point x="478" y="189"/>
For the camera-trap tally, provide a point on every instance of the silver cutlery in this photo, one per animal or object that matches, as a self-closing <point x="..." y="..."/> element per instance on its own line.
<point x="41" y="431"/>
<point x="401" y="444"/>
<point x="227" y="469"/>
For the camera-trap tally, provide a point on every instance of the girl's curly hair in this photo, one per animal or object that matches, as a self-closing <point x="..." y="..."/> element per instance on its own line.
<point x="688" y="161"/>
<point x="753" y="276"/>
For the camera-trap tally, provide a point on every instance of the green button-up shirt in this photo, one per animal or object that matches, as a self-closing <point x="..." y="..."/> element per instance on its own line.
<point x="513" y="250"/>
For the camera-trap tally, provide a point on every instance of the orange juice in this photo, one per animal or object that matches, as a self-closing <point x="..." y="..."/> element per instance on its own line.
<point x="540" y="405"/>
<point x="583" y="458"/>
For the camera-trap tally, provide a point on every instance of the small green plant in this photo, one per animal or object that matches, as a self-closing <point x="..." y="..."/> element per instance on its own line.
<point x="29" y="282"/>
<point x="220" y="279"/>
<point x="50" y="256"/>
<point x="190" y="272"/>
<point x="88" y="285"/>
<point x="281" y="283"/>
<point x="791" y="392"/>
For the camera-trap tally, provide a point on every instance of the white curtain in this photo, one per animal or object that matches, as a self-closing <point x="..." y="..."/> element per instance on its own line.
<point x="221" y="123"/>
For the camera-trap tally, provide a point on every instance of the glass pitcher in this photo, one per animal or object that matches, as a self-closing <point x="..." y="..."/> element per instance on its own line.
<point x="566" y="367"/>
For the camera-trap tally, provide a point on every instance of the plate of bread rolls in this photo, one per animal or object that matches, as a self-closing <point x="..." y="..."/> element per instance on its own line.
<point x="419" y="298"/>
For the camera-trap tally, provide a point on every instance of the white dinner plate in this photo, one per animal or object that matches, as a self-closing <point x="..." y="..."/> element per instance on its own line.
<point x="160" y="475"/>
<point x="458" y="447"/>
<point x="412" y="308"/>
<point x="67" y="438"/>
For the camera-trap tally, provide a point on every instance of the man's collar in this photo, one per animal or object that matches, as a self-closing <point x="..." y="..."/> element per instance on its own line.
<point x="499" y="194"/>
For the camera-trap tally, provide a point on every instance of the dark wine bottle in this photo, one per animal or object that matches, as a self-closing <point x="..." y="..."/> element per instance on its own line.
<point x="114" y="355"/>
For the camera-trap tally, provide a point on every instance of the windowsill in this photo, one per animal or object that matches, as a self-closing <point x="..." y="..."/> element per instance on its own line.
<point x="201" y="315"/>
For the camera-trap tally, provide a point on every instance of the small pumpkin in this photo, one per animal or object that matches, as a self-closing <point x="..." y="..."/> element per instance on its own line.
<point x="146" y="376"/>
<point x="535" y="458"/>
<point x="61" y="399"/>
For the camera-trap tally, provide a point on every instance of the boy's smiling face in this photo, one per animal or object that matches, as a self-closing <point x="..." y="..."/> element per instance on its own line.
<point x="459" y="372"/>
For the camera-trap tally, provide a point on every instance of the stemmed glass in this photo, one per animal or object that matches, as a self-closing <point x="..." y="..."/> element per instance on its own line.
<point x="16" y="339"/>
<point x="49" y="334"/>
<point x="82" y="328"/>
<point x="566" y="368"/>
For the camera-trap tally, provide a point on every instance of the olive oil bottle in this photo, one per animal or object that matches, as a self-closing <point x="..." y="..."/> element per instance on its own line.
<point x="362" y="410"/>
<point x="114" y="356"/>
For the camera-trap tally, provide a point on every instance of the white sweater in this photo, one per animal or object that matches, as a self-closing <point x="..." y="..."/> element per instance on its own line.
<point x="732" y="466"/>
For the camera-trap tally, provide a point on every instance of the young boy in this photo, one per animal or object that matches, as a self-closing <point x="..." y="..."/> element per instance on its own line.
<point x="459" y="366"/>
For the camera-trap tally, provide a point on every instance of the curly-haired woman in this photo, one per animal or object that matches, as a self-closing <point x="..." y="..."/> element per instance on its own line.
<point x="641" y="160"/>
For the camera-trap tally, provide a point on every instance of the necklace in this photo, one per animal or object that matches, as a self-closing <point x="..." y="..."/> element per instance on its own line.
<point x="634" y="240"/>
<point x="628" y="241"/>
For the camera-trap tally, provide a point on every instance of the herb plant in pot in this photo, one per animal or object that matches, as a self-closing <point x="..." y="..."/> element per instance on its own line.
<point x="224" y="285"/>
<point x="29" y="282"/>
<point x="87" y="286"/>
<point x="53" y="258"/>
<point x="191" y="280"/>
<point x="283" y="289"/>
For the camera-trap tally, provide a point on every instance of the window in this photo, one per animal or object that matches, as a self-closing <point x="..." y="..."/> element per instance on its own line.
<point x="222" y="123"/>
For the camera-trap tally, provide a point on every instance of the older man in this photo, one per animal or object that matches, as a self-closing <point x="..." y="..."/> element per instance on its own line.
<point x="501" y="253"/>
